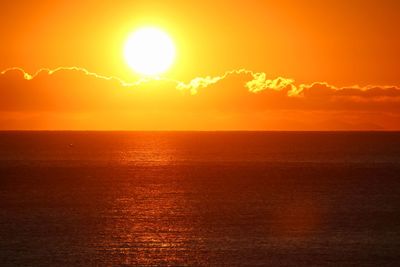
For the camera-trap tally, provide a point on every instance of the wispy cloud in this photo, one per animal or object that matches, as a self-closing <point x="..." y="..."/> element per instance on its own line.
<point x="242" y="97"/>
<point x="47" y="71"/>
<point x="259" y="82"/>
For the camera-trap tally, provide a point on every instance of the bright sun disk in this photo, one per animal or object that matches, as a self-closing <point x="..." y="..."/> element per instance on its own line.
<point x="149" y="51"/>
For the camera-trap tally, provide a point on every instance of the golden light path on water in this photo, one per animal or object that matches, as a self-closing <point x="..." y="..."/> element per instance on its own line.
<point x="156" y="219"/>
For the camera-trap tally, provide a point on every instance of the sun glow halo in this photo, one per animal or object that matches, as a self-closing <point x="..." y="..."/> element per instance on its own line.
<point x="149" y="51"/>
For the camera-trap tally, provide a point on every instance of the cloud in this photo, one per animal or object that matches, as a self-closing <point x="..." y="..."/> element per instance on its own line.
<point x="261" y="83"/>
<point x="70" y="97"/>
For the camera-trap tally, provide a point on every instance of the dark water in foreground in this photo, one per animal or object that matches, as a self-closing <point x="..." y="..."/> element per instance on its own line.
<point x="200" y="199"/>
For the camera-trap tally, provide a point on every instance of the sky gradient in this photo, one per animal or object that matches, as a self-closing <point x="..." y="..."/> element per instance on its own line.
<point x="256" y="65"/>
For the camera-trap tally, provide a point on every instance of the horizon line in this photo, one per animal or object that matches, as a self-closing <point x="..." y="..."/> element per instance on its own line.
<point x="204" y="131"/>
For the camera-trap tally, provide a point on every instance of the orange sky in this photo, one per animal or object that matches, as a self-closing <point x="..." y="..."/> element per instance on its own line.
<point x="335" y="43"/>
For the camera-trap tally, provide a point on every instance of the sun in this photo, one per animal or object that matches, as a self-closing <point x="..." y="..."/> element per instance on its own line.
<point x="149" y="51"/>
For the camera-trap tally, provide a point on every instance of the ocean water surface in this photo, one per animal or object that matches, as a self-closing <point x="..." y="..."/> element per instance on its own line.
<point x="199" y="198"/>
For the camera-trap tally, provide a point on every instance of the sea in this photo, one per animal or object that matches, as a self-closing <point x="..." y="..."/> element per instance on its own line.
<point x="199" y="198"/>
